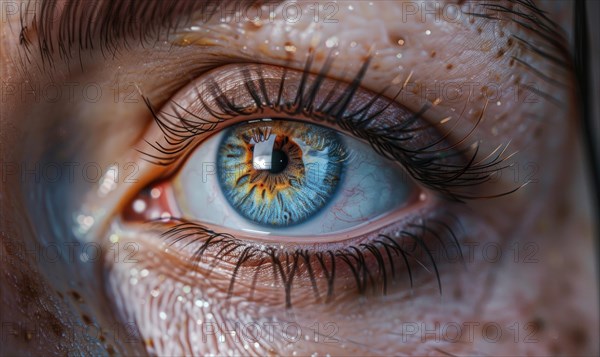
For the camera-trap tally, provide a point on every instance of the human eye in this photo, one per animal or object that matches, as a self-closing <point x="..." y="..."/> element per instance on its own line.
<point x="285" y="163"/>
<point x="352" y="178"/>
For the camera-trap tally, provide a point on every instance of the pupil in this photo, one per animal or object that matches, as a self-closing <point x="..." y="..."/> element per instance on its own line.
<point x="279" y="161"/>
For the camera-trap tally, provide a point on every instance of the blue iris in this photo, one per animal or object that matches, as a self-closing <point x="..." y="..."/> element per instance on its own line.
<point x="280" y="173"/>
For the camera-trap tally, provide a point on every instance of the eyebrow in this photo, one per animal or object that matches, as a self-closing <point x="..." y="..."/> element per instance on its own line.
<point x="71" y="27"/>
<point x="63" y="26"/>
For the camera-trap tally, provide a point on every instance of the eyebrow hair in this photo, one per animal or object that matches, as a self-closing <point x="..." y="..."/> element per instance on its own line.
<point x="61" y="26"/>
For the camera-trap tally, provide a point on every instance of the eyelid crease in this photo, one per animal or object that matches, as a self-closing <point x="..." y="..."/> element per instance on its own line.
<point x="448" y="169"/>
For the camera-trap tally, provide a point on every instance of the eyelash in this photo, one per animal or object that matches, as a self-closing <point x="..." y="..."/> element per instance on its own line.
<point x="286" y="264"/>
<point x="431" y="166"/>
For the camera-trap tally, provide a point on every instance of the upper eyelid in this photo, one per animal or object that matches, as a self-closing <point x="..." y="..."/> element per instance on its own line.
<point x="178" y="138"/>
<point x="114" y="27"/>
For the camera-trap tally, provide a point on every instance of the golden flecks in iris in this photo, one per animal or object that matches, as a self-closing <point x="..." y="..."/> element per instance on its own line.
<point x="264" y="183"/>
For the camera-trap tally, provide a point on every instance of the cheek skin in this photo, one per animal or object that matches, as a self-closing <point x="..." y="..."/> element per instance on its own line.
<point x="180" y="312"/>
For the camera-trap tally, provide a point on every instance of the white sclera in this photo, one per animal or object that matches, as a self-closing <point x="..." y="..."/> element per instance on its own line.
<point x="371" y="187"/>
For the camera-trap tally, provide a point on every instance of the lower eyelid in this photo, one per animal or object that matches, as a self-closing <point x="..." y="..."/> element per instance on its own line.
<point x="282" y="270"/>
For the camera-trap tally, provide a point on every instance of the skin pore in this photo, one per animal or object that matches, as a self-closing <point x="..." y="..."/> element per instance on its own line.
<point x="140" y="295"/>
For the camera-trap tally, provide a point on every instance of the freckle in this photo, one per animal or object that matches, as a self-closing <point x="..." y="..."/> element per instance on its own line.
<point x="578" y="336"/>
<point x="479" y="30"/>
<point x="501" y="33"/>
<point x="75" y="295"/>
<point x="86" y="319"/>
<point x="512" y="62"/>
<point x="500" y="53"/>
<point x="49" y="319"/>
<point x="150" y="343"/>
<point x="449" y="66"/>
<point x="319" y="56"/>
<point x="376" y="66"/>
<point x="538" y="324"/>
<point x="554" y="349"/>
<point x="509" y="42"/>
<point x="472" y="20"/>
<point x="433" y="53"/>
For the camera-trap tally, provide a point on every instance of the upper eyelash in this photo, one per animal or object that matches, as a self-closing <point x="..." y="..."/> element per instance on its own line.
<point x="285" y="264"/>
<point x="428" y="164"/>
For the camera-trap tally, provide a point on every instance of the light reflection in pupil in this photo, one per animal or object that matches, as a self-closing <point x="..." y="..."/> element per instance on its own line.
<point x="268" y="152"/>
<point x="280" y="173"/>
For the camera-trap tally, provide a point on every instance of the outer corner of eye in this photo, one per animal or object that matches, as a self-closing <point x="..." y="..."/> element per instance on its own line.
<point x="277" y="180"/>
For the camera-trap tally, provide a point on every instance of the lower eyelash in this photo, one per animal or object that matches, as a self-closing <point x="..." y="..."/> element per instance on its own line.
<point x="374" y="265"/>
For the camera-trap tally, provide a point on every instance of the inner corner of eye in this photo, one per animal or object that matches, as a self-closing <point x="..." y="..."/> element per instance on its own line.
<point x="280" y="177"/>
<point x="152" y="203"/>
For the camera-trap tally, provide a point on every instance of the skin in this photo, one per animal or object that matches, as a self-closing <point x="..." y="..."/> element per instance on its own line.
<point x="144" y="296"/>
